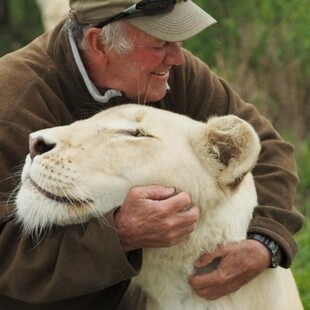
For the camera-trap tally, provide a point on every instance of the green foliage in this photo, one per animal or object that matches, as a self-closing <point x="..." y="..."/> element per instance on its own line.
<point x="303" y="164"/>
<point x="263" y="49"/>
<point x="286" y="22"/>
<point x="301" y="266"/>
<point x="20" y="22"/>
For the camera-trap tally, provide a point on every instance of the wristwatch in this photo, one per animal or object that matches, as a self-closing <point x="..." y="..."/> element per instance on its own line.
<point x="272" y="246"/>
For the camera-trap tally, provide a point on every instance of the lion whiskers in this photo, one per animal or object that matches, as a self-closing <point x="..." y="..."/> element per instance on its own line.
<point x="147" y="90"/>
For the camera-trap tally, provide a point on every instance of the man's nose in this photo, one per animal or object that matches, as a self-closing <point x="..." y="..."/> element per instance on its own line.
<point x="175" y="54"/>
<point x="38" y="146"/>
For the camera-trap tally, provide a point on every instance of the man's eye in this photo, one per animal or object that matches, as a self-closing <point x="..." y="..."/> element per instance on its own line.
<point x="160" y="46"/>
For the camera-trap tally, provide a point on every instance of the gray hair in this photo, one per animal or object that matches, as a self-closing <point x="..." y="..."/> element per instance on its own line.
<point x="113" y="36"/>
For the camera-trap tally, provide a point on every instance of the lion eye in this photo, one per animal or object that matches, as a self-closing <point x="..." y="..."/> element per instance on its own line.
<point x="139" y="133"/>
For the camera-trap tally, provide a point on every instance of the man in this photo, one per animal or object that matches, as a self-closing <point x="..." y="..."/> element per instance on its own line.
<point x="109" y="53"/>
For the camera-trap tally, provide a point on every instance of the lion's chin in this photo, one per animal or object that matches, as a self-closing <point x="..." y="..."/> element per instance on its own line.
<point x="38" y="209"/>
<point x="60" y="199"/>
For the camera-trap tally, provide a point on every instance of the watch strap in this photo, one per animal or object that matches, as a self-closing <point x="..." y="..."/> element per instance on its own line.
<point x="271" y="245"/>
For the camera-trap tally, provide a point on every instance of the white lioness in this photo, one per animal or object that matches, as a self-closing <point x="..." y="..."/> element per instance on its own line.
<point x="94" y="162"/>
<point x="52" y="12"/>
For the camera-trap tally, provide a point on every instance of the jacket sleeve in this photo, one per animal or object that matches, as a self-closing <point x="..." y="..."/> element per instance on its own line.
<point x="65" y="261"/>
<point x="275" y="173"/>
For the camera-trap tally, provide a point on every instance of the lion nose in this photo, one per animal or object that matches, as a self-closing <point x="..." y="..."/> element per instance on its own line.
<point x="38" y="146"/>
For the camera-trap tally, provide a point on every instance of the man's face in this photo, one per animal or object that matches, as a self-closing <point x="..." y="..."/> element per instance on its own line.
<point x="142" y="74"/>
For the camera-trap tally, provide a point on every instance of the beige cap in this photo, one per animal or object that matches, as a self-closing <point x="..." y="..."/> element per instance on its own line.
<point x="184" y="21"/>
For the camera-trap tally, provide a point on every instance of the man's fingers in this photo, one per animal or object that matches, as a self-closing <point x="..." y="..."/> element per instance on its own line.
<point x="177" y="236"/>
<point x="213" y="285"/>
<point x="155" y="216"/>
<point x="208" y="258"/>
<point x="153" y="192"/>
<point x="169" y="200"/>
<point x="200" y="282"/>
<point x="178" y="203"/>
<point x="212" y="295"/>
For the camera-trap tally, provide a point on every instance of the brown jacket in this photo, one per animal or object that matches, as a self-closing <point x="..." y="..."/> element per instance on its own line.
<point x="83" y="266"/>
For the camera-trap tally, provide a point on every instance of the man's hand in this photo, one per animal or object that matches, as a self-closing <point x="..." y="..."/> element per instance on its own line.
<point x="239" y="263"/>
<point x="154" y="216"/>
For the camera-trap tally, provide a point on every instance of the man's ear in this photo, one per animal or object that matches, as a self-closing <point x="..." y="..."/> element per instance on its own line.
<point x="229" y="148"/>
<point x="95" y="46"/>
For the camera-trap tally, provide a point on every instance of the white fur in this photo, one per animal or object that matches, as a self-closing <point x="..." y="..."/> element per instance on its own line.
<point x="96" y="162"/>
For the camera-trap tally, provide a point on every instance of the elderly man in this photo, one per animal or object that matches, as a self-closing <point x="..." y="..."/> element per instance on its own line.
<point x="108" y="53"/>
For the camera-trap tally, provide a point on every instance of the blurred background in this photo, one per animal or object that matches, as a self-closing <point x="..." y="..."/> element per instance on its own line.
<point x="262" y="48"/>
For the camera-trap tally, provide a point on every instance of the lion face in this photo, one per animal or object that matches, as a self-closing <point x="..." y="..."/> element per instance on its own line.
<point x="86" y="169"/>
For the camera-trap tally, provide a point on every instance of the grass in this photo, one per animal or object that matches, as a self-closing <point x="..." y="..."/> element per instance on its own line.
<point x="301" y="266"/>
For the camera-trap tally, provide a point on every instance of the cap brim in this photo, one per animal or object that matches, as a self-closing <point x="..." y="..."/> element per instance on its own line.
<point x="183" y="22"/>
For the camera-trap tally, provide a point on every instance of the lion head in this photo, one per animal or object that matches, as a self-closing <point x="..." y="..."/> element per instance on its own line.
<point x="85" y="169"/>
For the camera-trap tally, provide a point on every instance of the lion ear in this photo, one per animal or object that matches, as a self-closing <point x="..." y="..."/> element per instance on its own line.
<point x="229" y="148"/>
